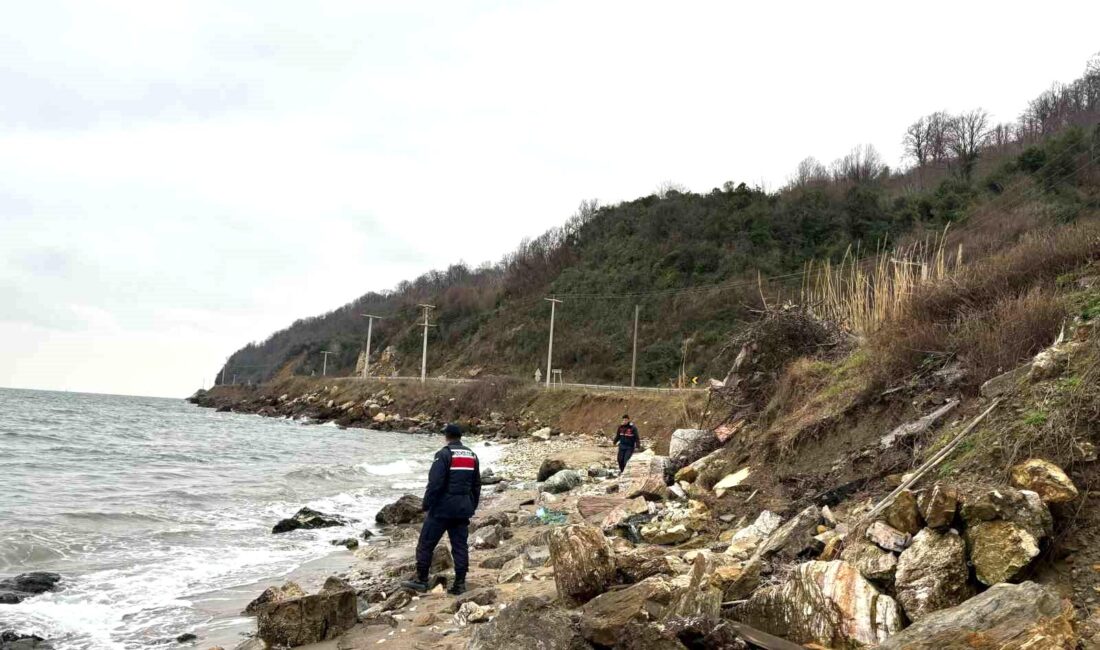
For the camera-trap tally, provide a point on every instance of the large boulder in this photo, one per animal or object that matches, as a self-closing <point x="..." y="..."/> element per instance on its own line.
<point x="639" y="563"/>
<point x="623" y="513"/>
<point x="10" y="640"/>
<point x="563" y="481"/>
<point x="529" y="624"/>
<point x="309" y="619"/>
<point x="932" y="574"/>
<point x="1000" y="550"/>
<point x="689" y="445"/>
<point x="902" y="513"/>
<point x="872" y="562"/>
<point x="828" y="603"/>
<point x="603" y="617"/>
<point x="274" y="595"/>
<point x="938" y="505"/>
<point x="794" y="538"/>
<point x="549" y="467"/>
<point x="1022" y="507"/>
<point x="702" y="597"/>
<point x="1006" y="617"/>
<point x="644" y="476"/>
<point x="584" y="565"/>
<point x="23" y="586"/>
<point x="738" y="580"/>
<point x="1045" y="479"/>
<point x="405" y="510"/>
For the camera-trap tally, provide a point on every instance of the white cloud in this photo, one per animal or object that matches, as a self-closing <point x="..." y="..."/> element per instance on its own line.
<point x="177" y="179"/>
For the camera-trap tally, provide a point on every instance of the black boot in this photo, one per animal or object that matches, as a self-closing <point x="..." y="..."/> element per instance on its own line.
<point x="459" y="587"/>
<point x="418" y="584"/>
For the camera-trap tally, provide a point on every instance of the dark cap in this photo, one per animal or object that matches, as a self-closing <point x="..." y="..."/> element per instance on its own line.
<point x="452" y="431"/>
<point x="626" y="417"/>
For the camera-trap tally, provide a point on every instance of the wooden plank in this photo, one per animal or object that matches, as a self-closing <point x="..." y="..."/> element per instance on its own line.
<point x="763" y="639"/>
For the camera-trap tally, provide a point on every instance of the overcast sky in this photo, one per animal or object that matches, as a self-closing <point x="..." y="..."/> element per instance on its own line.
<point x="177" y="179"/>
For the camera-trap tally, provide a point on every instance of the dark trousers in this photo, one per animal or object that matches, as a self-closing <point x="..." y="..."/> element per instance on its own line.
<point x="624" y="455"/>
<point x="458" y="530"/>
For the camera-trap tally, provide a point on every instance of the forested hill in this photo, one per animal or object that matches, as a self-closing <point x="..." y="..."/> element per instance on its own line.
<point x="697" y="265"/>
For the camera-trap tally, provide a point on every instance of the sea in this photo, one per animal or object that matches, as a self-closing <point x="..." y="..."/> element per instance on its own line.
<point x="158" y="513"/>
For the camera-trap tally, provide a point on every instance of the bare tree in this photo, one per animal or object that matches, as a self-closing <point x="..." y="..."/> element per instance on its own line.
<point x="936" y="126"/>
<point x="863" y="163"/>
<point x="810" y="172"/>
<point x="967" y="133"/>
<point x="916" y="142"/>
<point x="668" y="187"/>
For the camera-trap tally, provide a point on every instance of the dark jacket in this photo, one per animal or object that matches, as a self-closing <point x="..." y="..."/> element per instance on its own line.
<point x="627" y="436"/>
<point x="454" y="483"/>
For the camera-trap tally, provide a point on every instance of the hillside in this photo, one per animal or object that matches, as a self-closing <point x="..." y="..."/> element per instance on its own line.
<point x="700" y="266"/>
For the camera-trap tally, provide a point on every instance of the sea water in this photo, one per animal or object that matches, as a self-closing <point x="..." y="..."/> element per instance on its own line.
<point x="154" y="510"/>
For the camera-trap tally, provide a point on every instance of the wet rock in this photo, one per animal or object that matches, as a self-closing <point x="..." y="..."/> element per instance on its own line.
<point x="689" y="445"/>
<point x="489" y="477"/>
<point x="902" y="513"/>
<point x="872" y="562"/>
<point x="828" y="603"/>
<point x="487" y="537"/>
<point x="698" y="633"/>
<point x="10" y="640"/>
<point x="666" y="533"/>
<point x="349" y="543"/>
<point x="887" y="537"/>
<point x="563" y="481"/>
<point x="793" y="538"/>
<point x="309" y="619"/>
<point x="405" y="510"/>
<point x="23" y="586"/>
<point x="470" y="612"/>
<point x="396" y="600"/>
<point x="274" y="595"/>
<point x="1006" y="616"/>
<point x="744" y="542"/>
<point x="932" y="574"/>
<point x="366" y="534"/>
<point x="583" y="562"/>
<point x="483" y="596"/>
<point x="603" y="617"/>
<point x="529" y="624"/>
<point x="938" y="505"/>
<point x="1045" y="479"/>
<point x="1022" y="507"/>
<point x="637" y="564"/>
<point x="644" y="476"/>
<point x="1000" y="550"/>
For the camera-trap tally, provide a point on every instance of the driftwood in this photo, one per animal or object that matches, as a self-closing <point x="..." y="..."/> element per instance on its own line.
<point x="763" y="639"/>
<point x="935" y="460"/>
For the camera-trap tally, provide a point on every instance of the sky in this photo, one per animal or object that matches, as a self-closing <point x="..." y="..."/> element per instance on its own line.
<point x="180" y="178"/>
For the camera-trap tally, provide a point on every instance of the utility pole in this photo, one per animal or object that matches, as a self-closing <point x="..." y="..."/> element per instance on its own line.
<point x="634" y="359"/>
<point x="324" y="366"/>
<point x="424" y="356"/>
<point x="366" y="358"/>
<point x="550" y="349"/>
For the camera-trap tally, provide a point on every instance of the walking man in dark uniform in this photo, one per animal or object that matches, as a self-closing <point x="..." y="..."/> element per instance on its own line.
<point x="454" y="489"/>
<point x="627" y="437"/>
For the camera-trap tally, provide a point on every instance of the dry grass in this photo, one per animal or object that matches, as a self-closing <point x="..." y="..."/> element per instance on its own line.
<point x="862" y="295"/>
<point x="992" y="314"/>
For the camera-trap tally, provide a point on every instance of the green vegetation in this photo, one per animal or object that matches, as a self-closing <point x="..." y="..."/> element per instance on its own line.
<point x="691" y="262"/>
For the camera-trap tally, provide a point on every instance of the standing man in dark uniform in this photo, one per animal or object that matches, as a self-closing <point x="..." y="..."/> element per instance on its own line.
<point x="452" y="495"/>
<point x="627" y="437"/>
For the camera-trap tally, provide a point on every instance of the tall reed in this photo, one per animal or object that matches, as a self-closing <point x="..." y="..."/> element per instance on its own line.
<point x="861" y="294"/>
